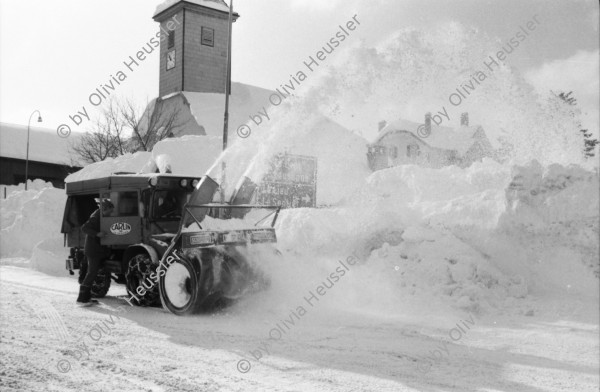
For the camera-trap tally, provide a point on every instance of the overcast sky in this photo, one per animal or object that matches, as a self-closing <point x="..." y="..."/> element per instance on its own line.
<point x="54" y="53"/>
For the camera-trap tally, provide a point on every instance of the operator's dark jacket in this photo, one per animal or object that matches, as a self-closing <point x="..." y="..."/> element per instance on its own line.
<point x="91" y="228"/>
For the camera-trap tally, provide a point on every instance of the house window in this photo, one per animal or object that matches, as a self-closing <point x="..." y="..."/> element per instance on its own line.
<point x="413" y="151"/>
<point x="208" y="37"/>
<point x="393" y="152"/>
<point x="171" y="39"/>
<point x="377" y="150"/>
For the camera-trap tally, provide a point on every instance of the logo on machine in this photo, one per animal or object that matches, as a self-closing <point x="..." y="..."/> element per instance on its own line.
<point x="120" y="228"/>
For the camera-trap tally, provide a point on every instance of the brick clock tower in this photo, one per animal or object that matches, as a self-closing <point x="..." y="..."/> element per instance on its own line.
<point x="193" y="46"/>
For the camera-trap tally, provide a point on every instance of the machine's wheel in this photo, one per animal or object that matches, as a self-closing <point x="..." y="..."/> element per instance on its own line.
<point x="185" y="285"/>
<point x="237" y="279"/>
<point x="139" y="269"/>
<point x="101" y="284"/>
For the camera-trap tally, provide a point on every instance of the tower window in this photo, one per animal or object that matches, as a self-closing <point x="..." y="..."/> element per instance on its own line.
<point x="208" y="36"/>
<point x="171" y="39"/>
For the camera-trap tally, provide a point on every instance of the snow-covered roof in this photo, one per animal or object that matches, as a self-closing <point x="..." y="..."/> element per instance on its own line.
<point x="459" y="139"/>
<point x="44" y="145"/>
<point x="218" y="5"/>
<point x="207" y="108"/>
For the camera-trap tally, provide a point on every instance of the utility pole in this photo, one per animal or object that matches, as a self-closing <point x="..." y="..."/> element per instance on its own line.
<point x="227" y="93"/>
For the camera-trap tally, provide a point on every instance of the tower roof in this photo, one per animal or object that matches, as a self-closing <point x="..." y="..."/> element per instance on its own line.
<point x="218" y="5"/>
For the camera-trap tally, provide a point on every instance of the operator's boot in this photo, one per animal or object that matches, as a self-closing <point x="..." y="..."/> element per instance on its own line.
<point x="85" y="296"/>
<point x="82" y="271"/>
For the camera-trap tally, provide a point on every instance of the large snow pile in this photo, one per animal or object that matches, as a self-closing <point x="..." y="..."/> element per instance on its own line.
<point x="31" y="225"/>
<point x="476" y="238"/>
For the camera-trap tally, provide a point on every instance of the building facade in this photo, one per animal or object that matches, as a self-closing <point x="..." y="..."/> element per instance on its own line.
<point x="193" y="50"/>
<point x="404" y="142"/>
<point x="50" y="156"/>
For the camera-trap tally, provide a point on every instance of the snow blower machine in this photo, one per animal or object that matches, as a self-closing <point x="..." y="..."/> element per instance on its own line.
<point x="169" y="243"/>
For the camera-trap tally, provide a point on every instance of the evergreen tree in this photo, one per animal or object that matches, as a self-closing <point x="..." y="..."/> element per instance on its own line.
<point x="589" y="144"/>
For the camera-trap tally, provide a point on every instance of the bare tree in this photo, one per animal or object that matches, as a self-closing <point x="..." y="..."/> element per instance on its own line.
<point x="159" y="121"/>
<point x="107" y="139"/>
<point x="123" y="127"/>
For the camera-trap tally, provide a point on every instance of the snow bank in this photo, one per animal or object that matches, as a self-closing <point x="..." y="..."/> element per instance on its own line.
<point x="470" y="237"/>
<point x="31" y="226"/>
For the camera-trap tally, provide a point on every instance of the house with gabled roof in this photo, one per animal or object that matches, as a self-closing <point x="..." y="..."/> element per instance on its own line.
<point x="405" y="142"/>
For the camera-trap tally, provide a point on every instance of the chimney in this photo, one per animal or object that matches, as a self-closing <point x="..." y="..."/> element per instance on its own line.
<point x="428" y="121"/>
<point x="464" y="119"/>
<point x="382" y="124"/>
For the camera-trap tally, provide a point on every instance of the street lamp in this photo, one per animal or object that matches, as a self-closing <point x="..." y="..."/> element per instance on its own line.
<point x="27" y="158"/>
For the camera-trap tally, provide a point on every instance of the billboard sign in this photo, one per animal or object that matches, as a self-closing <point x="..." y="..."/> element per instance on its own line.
<point x="291" y="182"/>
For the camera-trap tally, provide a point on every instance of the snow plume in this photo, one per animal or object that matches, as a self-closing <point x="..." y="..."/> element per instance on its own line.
<point x="409" y="74"/>
<point x="415" y="71"/>
<point x="297" y="128"/>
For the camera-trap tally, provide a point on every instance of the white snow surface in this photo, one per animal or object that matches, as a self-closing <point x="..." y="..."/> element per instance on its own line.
<point x="44" y="144"/>
<point x="245" y="100"/>
<point x="188" y="156"/>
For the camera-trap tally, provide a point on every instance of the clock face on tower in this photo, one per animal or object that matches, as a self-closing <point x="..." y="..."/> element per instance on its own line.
<point x="170" y="59"/>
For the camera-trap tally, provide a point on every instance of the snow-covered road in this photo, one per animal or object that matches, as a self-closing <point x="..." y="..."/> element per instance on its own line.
<point x="49" y="344"/>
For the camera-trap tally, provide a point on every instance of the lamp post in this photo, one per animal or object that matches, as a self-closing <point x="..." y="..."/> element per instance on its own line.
<point x="27" y="158"/>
